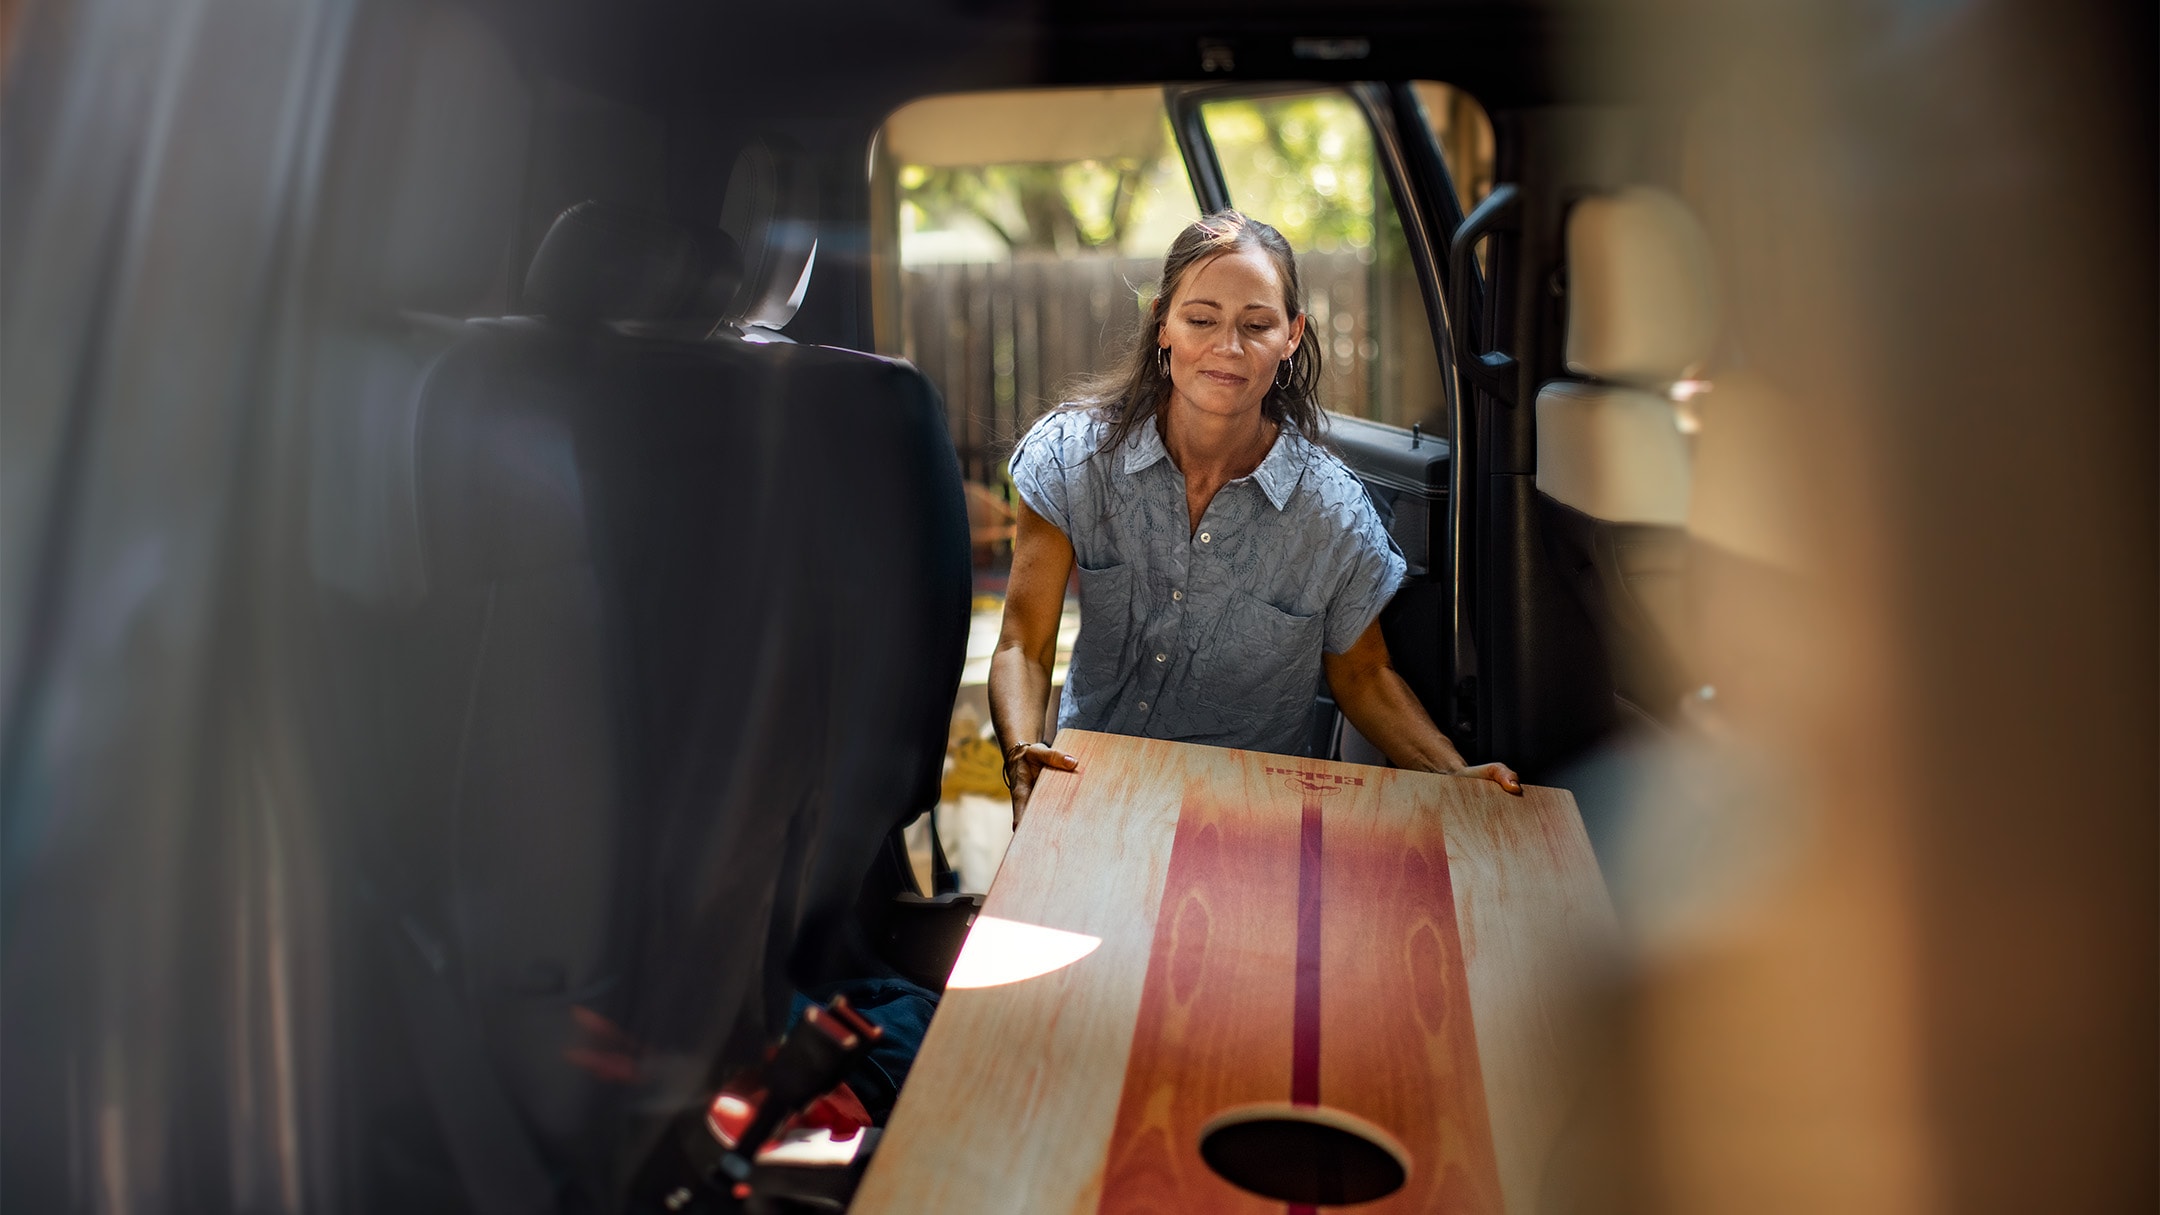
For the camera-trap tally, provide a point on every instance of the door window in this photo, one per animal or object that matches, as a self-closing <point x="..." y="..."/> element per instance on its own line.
<point x="1017" y="239"/>
<point x="1465" y="135"/>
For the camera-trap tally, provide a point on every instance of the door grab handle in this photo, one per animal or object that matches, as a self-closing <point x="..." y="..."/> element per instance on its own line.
<point x="1491" y="370"/>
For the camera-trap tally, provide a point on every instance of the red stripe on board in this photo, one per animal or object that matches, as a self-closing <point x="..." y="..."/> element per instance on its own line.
<point x="1214" y="1025"/>
<point x="1305" y="1020"/>
<point x="1401" y="1047"/>
<point x="1233" y="1013"/>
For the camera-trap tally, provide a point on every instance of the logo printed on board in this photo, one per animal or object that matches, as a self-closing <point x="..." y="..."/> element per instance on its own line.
<point x="1305" y="781"/>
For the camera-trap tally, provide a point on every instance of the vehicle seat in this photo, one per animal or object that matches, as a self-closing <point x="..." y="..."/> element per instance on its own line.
<point x="695" y="615"/>
<point x="1613" y="466"/>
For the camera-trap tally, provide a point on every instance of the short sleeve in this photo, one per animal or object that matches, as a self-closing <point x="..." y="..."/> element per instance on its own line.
<point x="1375" y="569"/>
<point x="1043" y="467"/>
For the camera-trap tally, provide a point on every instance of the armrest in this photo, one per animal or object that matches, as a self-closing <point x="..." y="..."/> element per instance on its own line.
<point x="924" y="933"/>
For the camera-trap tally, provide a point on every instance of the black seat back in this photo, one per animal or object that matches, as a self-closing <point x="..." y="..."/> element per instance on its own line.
<point x="694" y="619"/>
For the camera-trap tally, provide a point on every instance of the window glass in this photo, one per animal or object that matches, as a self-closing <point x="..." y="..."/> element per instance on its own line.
<point x="1465" y="136"/>
<point x="1306" y="163"/>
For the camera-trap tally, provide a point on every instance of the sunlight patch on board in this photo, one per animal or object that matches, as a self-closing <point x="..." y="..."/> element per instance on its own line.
<point x="1002" y="951"/>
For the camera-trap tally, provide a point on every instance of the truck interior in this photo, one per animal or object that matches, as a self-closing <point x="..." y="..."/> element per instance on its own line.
<point x="497" y="498"/>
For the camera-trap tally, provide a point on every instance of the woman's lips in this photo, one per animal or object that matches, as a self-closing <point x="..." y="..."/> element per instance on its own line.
<point x="1224" y="377"/>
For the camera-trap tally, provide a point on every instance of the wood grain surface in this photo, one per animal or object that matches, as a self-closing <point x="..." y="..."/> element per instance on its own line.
<point x="1540" y="945"/>
<point x="1216" y="1024"/>
<point x="1010" y="1103"/>
<point x="1403" y="947"/>
<point x="1398" y="1045"/>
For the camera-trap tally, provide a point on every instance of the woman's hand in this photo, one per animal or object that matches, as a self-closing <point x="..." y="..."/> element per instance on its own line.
<point x="1499" y="774"/>
<point x="1024" y="762"/>
<point x="1387" y="713"/>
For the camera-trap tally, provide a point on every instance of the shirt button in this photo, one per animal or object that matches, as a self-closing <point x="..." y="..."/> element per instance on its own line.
<point x="1159" y="658"/>
<point x="1177" y="594"/>
<point x="1143" y="706"/>
<point x="1204" y="537"/>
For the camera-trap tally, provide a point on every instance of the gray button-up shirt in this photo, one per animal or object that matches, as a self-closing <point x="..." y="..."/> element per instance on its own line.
<point x="1210" y="634"/>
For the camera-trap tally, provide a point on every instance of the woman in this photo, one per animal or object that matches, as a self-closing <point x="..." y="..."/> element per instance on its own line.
<point x="1226" y="560"/>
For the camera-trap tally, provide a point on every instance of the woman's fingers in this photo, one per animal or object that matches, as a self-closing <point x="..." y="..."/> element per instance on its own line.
<point x="1034" y="756"/>
<point x="1499" y="774"/>
<point x="1021" y="773"/>
<point x="1050" y="757"/>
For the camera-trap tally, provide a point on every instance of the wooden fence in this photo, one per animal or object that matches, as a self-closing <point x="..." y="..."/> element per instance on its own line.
<point x="1004" y="341"/>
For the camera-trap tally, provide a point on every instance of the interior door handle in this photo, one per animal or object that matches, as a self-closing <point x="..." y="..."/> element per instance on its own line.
<point x="1490" y="370"/>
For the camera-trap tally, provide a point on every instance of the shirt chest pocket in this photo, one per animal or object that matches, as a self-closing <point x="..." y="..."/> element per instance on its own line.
<point x="1260" y="661"/>
<point x="1103" y="653"/>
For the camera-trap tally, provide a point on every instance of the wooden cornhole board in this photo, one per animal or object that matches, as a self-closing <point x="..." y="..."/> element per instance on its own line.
<point x="1230" y="930"/>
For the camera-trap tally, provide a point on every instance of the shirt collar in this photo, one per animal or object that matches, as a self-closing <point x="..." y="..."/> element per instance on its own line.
<point x="1276" y="476"/>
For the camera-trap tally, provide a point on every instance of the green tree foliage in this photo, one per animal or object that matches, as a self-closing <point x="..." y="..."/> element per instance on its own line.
<point x="1303" y="163"/>
<point x="1052" y="208"/>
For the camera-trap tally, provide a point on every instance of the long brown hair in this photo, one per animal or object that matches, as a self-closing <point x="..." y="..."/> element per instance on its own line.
<point x="1135" y="392"/>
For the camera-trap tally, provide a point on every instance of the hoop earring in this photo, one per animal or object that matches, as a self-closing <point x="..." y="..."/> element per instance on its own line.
<point x="1162" y="360"/>
<point x="1283" y="372"/>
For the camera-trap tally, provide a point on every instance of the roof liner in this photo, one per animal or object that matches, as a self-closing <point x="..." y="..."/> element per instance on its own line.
<point x="873" y="55"/>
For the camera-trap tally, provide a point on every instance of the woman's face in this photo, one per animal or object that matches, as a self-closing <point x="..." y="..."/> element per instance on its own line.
<point x="1227" y="332"/>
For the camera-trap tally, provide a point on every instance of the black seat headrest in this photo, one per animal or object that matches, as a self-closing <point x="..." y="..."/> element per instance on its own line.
<point x="606" y="262"/>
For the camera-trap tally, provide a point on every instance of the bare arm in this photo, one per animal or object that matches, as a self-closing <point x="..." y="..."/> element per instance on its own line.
<point x="1386" y="711"/>
<point x="1026" y="647"/>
